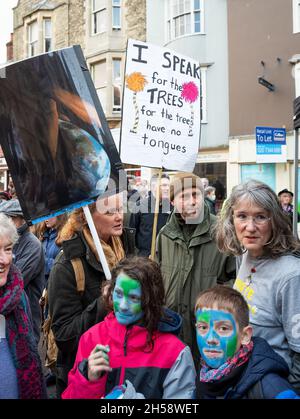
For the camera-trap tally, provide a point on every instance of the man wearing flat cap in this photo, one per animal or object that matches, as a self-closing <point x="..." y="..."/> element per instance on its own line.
<point x="187" y="253"/>
<point x="29" y="258"/>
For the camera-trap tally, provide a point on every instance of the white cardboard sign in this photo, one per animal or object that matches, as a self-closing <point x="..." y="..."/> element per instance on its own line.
<point x="161" y="108"/>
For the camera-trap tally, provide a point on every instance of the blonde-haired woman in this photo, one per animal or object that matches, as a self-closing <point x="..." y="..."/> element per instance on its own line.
<point x="72" y="312"/>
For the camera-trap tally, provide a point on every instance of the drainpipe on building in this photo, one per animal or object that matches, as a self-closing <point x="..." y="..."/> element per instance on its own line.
<point x="295" y="213"/>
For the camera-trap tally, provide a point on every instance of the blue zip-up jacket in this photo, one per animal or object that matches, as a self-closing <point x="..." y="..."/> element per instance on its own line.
<point x="51" y="249"/>
<point x="268" y="368"/>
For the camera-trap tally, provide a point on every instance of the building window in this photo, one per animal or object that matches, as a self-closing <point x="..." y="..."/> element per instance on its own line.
<point x="98" y="72"/>
<point x="32" y="36"/>
<point x="47" y="35"/>
<point x="203" y="96"/>
<point x="184" y="17"/>
<point x="116" y="14"/>
<point x="99" y="16"/>
<point x="117" y="85"/>
<point x="296" y="16"/>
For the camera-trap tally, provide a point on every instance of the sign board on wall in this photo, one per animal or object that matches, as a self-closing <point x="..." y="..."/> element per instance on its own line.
<point x="270" y="145"/>
<point x="161" y="108"/>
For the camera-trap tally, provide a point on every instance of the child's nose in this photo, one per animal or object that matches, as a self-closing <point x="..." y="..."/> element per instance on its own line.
<point x="124" y="304"/>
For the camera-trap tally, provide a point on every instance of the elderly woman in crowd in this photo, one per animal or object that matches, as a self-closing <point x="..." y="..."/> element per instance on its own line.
<point x="74" y="312"/>
<point x="20" y="366"/>
<point x="252" y="225"/>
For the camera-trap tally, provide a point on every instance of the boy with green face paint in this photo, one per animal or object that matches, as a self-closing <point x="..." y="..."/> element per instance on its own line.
<point x="217" y="336"/>
<point x="233" y="363"/>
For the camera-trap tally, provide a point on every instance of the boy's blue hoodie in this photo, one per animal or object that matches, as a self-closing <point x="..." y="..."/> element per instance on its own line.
<point x="264" y="366"/>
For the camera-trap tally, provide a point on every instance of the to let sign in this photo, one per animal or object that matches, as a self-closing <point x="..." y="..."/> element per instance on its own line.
<point x="270" y="145"/>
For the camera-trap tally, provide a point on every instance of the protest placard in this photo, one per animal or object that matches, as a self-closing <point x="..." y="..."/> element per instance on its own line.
<point x="161" y="108"/>
<point x="54" y="135"/>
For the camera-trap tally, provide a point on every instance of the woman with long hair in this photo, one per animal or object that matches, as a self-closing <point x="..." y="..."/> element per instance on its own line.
<point x="253" y="226"/>
<point x="73" y="312"/>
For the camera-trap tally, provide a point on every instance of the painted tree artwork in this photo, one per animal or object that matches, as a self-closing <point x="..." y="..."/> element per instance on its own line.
<point x="190" y="94"/>
<point x="161" y="108"/>
<point x="136" y="82"/>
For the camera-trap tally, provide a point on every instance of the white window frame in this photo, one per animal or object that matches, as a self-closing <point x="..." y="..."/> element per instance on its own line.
<point x="116" y="108"/>
<point x="296" y="16"/>
<point x="103" y="85"/>
<point x="203" y="73"/>
<point x="94" y="12"/>
<point x="116" y="6"/>
<point x="172" y="18"/>
<point x="30" y="42"/>
<point x="47" y="37"/>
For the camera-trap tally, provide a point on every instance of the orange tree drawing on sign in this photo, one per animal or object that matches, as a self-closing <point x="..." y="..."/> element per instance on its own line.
<point x="135" y="82"/>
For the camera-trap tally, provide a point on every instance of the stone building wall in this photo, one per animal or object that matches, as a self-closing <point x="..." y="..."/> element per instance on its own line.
<point x="67" y="23"/>
<point x="136" y="19"/>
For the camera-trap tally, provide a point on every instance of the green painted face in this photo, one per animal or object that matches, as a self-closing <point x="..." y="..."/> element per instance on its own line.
<point x="127" y="297"/>
<point x="217" y="336"/>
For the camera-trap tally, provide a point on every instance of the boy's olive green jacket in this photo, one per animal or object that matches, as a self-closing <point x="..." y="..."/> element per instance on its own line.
<point x="189" y="266"/>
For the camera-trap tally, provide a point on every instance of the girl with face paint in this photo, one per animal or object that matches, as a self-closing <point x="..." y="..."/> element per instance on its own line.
<point x="233" y="364"/>
<point x="127" y="300"/>
<point x="135" y="348"/>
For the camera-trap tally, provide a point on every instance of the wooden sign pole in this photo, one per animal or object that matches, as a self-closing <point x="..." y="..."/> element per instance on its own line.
<point x="156" y="211"/>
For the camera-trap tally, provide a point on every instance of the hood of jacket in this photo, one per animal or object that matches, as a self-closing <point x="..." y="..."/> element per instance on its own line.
<point x="264" y="360"/>
<point x="170" y="322"/>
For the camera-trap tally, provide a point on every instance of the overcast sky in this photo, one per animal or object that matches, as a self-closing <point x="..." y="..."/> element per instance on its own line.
<point x="6" y="25"/>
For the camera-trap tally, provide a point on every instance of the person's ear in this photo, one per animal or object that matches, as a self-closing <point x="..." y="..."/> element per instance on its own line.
<point x="246" y="335"/>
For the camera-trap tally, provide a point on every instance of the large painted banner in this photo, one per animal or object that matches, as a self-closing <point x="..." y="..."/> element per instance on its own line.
<point x="161" y="108"/>
<point x="54" y="135"/>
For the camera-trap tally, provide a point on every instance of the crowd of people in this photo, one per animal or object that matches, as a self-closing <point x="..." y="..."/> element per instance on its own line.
<point x="214" y="313"/>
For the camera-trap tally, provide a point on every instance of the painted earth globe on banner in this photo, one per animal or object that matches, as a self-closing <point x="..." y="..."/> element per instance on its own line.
<point x="91" y="165"/>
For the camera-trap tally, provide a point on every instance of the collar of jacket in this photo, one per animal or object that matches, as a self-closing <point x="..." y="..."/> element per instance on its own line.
<point x="137" y="335"/>
<point x="77" y="247"/>
<point x="21" y="230"/>
<point x="201" y="234"/>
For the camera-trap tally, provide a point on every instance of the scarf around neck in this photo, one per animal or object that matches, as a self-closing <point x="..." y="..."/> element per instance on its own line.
<point x="208" y="375"/>
<point x="14" y="307"/>
<point x="114" y="252"/>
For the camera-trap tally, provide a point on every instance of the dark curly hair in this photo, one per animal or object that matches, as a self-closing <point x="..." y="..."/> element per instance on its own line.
<point x="148" y="273"/>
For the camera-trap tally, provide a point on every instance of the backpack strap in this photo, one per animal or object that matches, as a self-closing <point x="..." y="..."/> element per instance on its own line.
<point x="79" y="274"/>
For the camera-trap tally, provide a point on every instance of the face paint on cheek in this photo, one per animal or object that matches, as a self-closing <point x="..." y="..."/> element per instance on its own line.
<point x="231" y="346"/>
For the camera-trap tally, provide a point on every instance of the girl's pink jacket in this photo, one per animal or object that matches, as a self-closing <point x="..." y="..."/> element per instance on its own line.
<point x="167" y="371"/>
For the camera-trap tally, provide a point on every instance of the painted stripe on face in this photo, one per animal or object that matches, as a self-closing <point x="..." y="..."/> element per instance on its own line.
<point x="127" y="300"/>
<point x="217" y="336"/>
